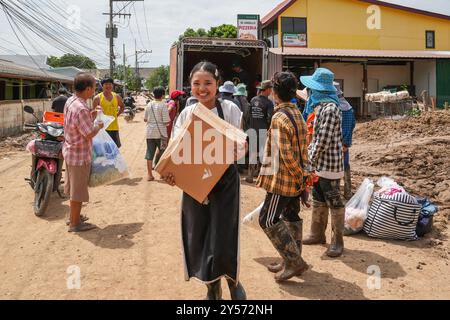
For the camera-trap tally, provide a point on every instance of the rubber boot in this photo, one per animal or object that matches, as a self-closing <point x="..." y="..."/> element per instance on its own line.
<point x="296" y="230"/>
<point x="237" y="291"/>
<point x="347" y="184"/>
<point x="337" y="240"/>
<point x="318" y="224"/>
<point x="286" y="246"/>
<point x="214" y="291"/>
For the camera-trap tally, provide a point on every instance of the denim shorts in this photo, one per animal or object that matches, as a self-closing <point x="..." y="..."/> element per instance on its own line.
<point x="152" y="144"/>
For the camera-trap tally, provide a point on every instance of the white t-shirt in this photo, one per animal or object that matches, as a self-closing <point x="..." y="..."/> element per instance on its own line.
<point x="157" y="116"/>
<point x="231" y="113"/>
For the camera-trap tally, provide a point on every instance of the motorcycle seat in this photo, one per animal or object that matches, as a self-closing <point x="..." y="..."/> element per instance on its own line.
<point x="55" y="125"/>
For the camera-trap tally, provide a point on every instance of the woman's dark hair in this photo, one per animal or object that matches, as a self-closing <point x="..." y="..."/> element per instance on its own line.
<point x="285" y="85"/>
<point x="83" y="81"/>
<point x="159" y="92"/>
<point x="207" y="67"/>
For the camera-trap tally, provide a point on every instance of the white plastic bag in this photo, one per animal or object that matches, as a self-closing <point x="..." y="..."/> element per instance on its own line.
<point x="252" y="219"/>
<point x="357" y="207"/>
<point x="108" y="165"/>
<point x="388" y="187"/>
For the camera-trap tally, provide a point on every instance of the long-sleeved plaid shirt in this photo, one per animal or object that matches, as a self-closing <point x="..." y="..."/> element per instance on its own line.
<point x="325" y="150"/>
<point x="281" y="171"/>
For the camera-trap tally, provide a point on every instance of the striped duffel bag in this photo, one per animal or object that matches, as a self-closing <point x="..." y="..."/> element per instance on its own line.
<point x="393" y="217"/>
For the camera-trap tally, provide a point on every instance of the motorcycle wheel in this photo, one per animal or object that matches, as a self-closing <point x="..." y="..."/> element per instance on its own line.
<point x="42" y="191"/>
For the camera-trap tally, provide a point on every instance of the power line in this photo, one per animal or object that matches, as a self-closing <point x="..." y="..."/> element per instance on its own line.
<point x="146" y="25"/>
<point x="138" y="29"/>
<point x="55" y="37"/>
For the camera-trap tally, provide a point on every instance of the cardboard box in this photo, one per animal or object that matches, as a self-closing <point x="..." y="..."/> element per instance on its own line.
<point x="201" y="153"/>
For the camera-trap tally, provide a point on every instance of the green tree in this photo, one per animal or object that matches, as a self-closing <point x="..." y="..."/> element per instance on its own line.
<point x="159" y="77"/>
<point x="223" y="31"/>
<point x="71" y="60"/>
<point x="133" y="83"/>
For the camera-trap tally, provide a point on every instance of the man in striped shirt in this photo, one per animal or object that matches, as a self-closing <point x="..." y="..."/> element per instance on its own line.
<point x="79" y="129"/>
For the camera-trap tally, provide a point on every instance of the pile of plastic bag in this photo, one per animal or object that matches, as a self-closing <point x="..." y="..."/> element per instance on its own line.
<point x="357" y="207"/>
<point x="108" y="165"/>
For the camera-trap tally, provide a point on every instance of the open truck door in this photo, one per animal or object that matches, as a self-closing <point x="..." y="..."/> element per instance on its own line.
<point x="252" y="55"/>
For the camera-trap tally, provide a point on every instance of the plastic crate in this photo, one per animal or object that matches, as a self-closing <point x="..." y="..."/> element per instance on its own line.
<point x="48" y="149"/>
<point x="54" y="117"/>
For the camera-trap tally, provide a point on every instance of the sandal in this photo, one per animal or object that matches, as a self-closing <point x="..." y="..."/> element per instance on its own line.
<point x="83" y="218"/>
<point x="150" y="178"/>
<point x="83" y="226"/>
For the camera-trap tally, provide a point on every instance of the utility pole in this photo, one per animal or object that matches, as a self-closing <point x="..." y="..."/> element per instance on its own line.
<point x="111" y="30"/>
<point x="125" y="73"/>
<point x="138" y="77"/>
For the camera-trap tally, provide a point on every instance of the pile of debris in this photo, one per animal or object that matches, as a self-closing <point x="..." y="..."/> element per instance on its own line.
<point x="414" y="151"/>
<point x="427" y="124"/>
<point x="15" y="143"/>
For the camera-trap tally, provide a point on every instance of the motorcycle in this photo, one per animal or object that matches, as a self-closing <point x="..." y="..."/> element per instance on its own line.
<point x="130" y="109"/>
<point x="129" y="113"/>
<point x="47" y="160"/>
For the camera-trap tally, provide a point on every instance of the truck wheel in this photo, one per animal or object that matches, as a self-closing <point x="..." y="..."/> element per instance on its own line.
<point x="42" y="191"/>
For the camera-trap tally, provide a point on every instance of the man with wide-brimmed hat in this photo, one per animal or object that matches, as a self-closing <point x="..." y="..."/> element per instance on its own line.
<point x="326" y="159"/>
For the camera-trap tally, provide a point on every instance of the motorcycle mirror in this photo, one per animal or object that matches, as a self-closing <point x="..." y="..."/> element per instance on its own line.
<point x="28" y="109"/>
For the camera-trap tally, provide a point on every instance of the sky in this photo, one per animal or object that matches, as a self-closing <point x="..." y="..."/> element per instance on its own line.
<point x="166" y="20"/>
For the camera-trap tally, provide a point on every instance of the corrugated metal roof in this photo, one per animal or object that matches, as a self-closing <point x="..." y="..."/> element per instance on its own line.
<point x="25" y="60"/>
<point x="361" y="53"/>
<point x="10" y="69"/>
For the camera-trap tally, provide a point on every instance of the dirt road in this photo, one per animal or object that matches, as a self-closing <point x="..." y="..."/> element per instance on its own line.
<point x="136" y="251"/>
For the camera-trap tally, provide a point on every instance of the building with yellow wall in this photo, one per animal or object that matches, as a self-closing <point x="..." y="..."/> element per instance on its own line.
<point x="368" y="44"/>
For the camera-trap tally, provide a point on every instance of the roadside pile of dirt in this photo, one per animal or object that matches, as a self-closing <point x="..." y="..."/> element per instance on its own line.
<point x="426" y="125"/>
<point x="422" y="167"/>
<point x="414" y="151"/>
<point x="15" y="143"/>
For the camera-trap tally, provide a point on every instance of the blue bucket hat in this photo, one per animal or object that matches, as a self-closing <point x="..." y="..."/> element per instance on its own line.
<point x="228" y="87"/>
<point x="321" y="80"/>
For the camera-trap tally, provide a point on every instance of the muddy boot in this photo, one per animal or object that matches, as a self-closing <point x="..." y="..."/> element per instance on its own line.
<point x="296" y="230"/>
<point x="237" y="291"/>
<point x="347" y="184"/>
<point x="318" y="224"/>
<point x="214" y="291"/>
<point x="337" y="240"/>
<point x="286" y="246"/>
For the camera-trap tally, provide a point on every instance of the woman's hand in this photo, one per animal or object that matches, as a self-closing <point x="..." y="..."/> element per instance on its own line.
<point x="169" y="178"/>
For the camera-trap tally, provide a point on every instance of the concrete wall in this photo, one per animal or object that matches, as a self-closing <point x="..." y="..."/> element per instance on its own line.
<point x="12" y="117"/>
<point x="389" y="75"/>
<point x="351" y="73"/>
<point x="425" y="76"/>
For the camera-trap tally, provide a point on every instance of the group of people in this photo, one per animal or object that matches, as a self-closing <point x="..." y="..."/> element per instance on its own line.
<point x="210" y="230"/>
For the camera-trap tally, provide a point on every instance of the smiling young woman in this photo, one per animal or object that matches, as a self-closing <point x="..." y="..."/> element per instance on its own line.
<point x="210" y="230"/>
